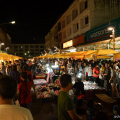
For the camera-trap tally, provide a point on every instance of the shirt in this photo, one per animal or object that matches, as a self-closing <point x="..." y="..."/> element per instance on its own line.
<point x="113" y="74"/>
<point x="89" y="113"/>
<point x="86" y="69"/>
<point x="16" y="75"/>
<point x="65" y="104"/>
<point x="25" y="96"/>
<point x="116" y="113"/>
<point x="97" y="71"/>
<point x="14" y="112"/>
<point x="90" y="73"/>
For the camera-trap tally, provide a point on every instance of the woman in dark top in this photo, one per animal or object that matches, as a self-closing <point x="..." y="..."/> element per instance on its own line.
<point x="14" y="73"/>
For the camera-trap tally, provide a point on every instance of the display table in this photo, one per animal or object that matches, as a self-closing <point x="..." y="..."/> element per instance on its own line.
<point x="40" y="76"/>
<point x="92" y="89"/>
<point x="105" y="98"/>
<point x="39" y="81"/>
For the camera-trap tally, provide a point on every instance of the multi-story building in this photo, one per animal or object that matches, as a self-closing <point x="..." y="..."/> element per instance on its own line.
<point x="6" y="39"/>
<point x="28" y="50"/>
<point x="80" y="17"/>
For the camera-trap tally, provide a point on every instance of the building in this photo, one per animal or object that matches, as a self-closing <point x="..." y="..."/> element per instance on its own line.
<point x="28" y="50"/>
<point x="80" y="17"/>
<point x="6" y="39"/>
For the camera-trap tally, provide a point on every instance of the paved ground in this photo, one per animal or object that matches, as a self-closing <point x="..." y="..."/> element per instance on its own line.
<point x="48" y="111"/>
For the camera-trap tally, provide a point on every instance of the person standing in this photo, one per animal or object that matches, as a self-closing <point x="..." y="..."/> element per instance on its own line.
<point x="66" y="108"/>
<point x="96" y="72"/>
<point x="3" y="69"/>
<point x="9" y="67"/>
<point x="14" y="73"/>
<point x="106" y="77"/>
<point x="113" y="81"/>
<point x="24" y="87"/>
<point x="102" y="71"/>
<point x="8" y="110"/>
<point x="90" y="73"/>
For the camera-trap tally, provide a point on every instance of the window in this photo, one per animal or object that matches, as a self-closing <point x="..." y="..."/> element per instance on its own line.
<point x="75" y="27"/>
<point x="41" y="46"/>
<point x="74" y="14"/>
<point x="59" y="26"/>
<point x="86" y="20"/>
<point x="36" y="49"/>
<point x="26" y="46"/>
<point x="31" y="46"/>
<point x="86" y="4"/>
<point x="63" y="23"/>
<point x="68" y="19"/>
<point x="21" y="50"/>
<point x="64" y="34"/>
<point x="69" y="31"/>
<point x="36" y="46"/>
<point x="16" y="46"/>
<point x="83" y="6"/>
<point x="21" y="53"/>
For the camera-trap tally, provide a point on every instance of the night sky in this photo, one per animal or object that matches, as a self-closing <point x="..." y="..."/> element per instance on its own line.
<point x="34" y="18"/>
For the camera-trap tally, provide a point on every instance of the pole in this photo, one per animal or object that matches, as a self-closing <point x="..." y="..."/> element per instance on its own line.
<point x="113" y="32"/>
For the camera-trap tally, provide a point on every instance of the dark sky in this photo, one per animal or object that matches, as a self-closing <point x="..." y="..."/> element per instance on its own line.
<point x="34" y="18"/>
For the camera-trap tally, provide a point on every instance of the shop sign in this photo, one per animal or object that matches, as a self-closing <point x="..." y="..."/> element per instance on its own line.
<point x="68" y="44"/>
<point x="102" y="32"/>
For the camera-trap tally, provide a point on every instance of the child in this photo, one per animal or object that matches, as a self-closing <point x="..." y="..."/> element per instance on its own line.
<point x="24" y="87"/>
<point x="90" y="111"/>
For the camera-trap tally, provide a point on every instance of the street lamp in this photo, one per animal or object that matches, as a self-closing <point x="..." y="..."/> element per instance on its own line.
<point x="12" y="22"/>
<point x="113" y="35"/>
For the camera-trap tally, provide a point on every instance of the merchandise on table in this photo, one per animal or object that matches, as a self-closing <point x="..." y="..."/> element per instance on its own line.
<point x="91" y="86"/>
<point x="46" y="91"/>
<point x="40" y="76"/>
<point x="40" y="81"/>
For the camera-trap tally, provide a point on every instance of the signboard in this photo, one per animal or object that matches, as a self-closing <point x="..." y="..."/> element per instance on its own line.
<point x="68" y="44"/>
<point x="102" y="32"/>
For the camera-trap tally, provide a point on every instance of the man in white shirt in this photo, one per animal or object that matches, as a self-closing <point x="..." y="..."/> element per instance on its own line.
<point x="9" y="111"/>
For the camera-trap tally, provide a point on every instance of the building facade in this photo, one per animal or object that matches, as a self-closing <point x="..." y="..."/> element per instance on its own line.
<point x="80" y="17"/>
<point x="28" y="50"/>
<point x="6" y="39"/>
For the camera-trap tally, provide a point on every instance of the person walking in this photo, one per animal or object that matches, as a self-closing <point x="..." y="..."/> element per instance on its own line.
<point x="3" y="69"/>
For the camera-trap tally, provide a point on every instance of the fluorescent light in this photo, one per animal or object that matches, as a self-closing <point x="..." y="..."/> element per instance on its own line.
<point x="13" y="22"/>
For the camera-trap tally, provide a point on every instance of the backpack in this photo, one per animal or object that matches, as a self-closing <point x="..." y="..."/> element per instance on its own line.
<point x="9" y="69"/>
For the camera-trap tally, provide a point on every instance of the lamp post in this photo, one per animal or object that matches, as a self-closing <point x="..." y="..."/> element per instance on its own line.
<point x="113" y="35"/>
<point x="12" y="22"/>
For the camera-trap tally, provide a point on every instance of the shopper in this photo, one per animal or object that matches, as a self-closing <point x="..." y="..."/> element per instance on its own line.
<point x="9" y="111"/>
<point x="102" y="71"/>
<point x="113" y="81"/>
<point x="106" y="77"/>
<point x="90" y="73"/>
<point x="14" y="73"/>
<point x="66" y="109"/>
<point x="96" y="72"/>
<point x="24" y="87"/>
<point x="9" y="67"/>
<point x="3" y="69"/>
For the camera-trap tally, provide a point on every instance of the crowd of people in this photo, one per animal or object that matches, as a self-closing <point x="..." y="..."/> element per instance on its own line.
<point x="16" y="80"/>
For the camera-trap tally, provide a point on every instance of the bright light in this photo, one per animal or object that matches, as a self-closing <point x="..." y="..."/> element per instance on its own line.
<point x="111" y="28"/>
<point x="79" y="75"/>
<point x="28" y="51"/>
<point x="25" y="54"/>
<point x="13" y="22"/>
<point x="2" y="43"/>
<point x="21" y="46"/>
<point x="54" y="66"/>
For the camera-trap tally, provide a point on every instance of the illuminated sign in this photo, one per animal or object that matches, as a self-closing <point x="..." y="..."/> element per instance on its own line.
<point x="68" y="44"/>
